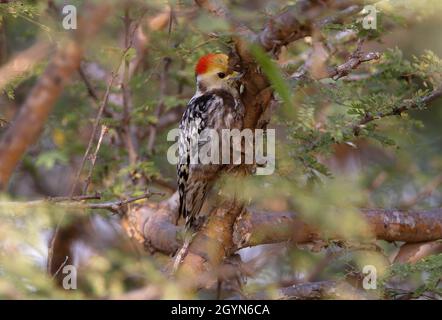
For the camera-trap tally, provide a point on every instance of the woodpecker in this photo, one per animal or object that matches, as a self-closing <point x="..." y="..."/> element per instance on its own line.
<point x="215" y="105"/>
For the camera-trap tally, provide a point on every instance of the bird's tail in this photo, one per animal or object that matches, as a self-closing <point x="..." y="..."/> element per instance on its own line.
<point x="182" y="212"/>
<point x="191" y="201"/>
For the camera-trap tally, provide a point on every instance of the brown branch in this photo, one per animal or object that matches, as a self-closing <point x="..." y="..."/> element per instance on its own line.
<point x="342" y="70"/>
<point x="23" y="62"/>
<point x="390" y="225"/>
<point x="299" y="20"/>
<point x="154" y="224"/>
<point x="294" y="23"/>
<point x="157" y="221"/>
<point x="413" y="252"/>
<point x="33" y="113"/>
<point x="352" y="63"/>
<point x="211" y="245"/>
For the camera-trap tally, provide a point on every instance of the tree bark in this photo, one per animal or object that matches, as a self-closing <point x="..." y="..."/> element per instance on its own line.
<point x="154" y="224"/>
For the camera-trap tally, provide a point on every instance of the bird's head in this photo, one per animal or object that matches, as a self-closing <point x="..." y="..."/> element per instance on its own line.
<point x="213" y="72"/>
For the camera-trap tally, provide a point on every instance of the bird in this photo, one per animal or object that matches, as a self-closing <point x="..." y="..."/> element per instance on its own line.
<point x="216" y="105"/>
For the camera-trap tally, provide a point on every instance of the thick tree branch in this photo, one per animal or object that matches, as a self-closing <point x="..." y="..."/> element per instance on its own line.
<point x="212" y="244"/>
<point x="300" y="19"/>
<point x="157" y="220"/>
<point x="23" y="62"/>
<point x="255" y="228"/>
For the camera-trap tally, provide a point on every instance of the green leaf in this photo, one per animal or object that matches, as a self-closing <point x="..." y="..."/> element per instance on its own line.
<point x="275" y="76"/>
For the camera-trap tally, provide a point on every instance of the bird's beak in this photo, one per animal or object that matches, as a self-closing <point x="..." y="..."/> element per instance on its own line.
<point x="235" y="75"/>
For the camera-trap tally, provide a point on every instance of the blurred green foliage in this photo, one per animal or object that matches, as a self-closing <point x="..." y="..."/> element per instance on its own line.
<point x="323" y="170"/>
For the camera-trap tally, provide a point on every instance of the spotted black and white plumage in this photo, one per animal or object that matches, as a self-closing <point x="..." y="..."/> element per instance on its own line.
<point x="214" y="109"/>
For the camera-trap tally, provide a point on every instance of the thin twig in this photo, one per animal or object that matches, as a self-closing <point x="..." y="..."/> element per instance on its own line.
<point x="101" y="110"/>
<point x="96" y="196"/>
<point x="406" y="105"/>
<point x="159" y="109"/>
<point x="61" y="266"/>
<point x="93" y="93"/>
<point x="90" y="89"/>
<point x="104" y="129"/>
<point x="113" y="206"/>
<point x="94" y="131"/>
<point x="86" y="153"/>
<point x="339" y="71"/>
<point x="128" y="133"/>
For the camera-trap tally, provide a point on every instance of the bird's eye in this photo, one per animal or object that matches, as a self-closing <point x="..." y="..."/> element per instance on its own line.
<point x="221" y="75"/>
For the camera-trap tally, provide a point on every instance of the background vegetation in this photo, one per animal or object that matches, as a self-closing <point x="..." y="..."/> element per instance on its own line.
<point x="358" y="126"/>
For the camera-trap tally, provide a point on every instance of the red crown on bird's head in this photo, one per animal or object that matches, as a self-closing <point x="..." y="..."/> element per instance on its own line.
<point x="211" y="61"/>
